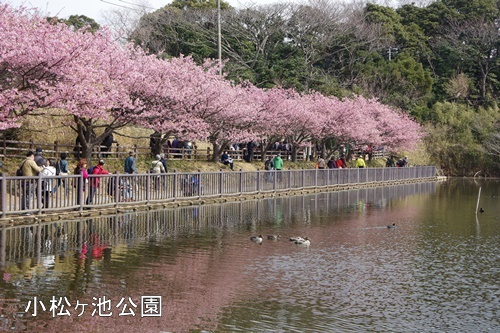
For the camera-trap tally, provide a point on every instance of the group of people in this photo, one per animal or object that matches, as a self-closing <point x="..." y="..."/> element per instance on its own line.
<point x="175" y="148"/>
<point x="401" y="162"/>
<point x="359" y="162"/>
<point x="333" y="163"/>
<point x="35" y="164"/>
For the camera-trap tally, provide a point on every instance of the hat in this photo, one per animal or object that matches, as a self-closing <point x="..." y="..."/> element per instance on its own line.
<point x="101" y="162"/>
<point x="158" y="157"/>
<point x="38" y="150"/>
<point x="41" y="162"/>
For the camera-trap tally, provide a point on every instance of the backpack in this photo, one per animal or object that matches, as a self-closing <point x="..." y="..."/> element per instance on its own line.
<point x="58" y="167"/>
<point x="19" y="172"/>
<point x="268" y="165"/>
<point x="91" y="170"/>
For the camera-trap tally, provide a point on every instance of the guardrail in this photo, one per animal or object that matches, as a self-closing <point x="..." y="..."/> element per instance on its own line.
<point x="40" y="195"/>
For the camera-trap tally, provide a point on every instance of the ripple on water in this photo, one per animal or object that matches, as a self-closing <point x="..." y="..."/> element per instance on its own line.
<point x="397" y="288"/>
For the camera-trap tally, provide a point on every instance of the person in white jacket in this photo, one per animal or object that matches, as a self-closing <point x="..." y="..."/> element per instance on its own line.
<point x="157" y="168"/>
<point x="47" y="184"/>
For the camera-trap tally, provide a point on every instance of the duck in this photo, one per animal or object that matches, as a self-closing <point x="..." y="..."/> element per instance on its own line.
<point x="303" y="241"/>
<point x="273" y="237"/>
<point x="481" y="210"/>
<point x="296" y="239"/>
<point x="392" y="226"/>
<point x="256" y="239"/>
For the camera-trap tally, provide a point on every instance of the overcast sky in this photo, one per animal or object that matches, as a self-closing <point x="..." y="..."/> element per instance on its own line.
<point x="94" y="8"/>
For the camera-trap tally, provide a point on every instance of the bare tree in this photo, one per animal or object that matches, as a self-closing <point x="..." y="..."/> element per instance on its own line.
<point x="263" y="26"/>
<point x="477" y="42"/>
<point x="124" y="20"/>
<point x="492" y="145"/>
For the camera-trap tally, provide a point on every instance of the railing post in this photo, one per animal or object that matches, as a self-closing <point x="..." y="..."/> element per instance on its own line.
<point x="81" y="191"/>
<point x="241" y="182"/>
<point x="303" y="178"/>
<point x="174" y="184"/>
<point x="39" y="193"/>
<point x="199" y="183"/>
<point x="3" y="193"/>
<point x="274" y="179"/>
<point x="148" y="186"/>
<point x="316" y="178"/>
<point x="117" y="188"/>
<point x="258" y="181"/>
<point x="220" y="182"/>
<point x="289" y="179"/>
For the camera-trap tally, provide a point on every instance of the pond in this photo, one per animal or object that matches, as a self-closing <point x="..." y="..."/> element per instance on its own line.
<point x="195" y="269"/>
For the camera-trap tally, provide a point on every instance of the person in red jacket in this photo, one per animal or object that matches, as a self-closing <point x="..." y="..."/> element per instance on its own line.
<point x="95" y="182"/>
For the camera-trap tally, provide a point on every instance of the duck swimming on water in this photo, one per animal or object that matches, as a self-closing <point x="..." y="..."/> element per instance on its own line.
<point x="305" y="241"/>
<point x="273" y="237"/>
<point x="256" y="239"/>
<point x="392" y="226"/>
<point x="481" y="210"/>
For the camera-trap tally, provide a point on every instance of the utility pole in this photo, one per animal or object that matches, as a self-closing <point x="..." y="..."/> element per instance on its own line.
<point x="219" y="50"/>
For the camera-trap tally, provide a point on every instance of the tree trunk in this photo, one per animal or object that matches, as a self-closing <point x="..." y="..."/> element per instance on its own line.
<point x="294" y="153"/>
<point x="217" y="152"/>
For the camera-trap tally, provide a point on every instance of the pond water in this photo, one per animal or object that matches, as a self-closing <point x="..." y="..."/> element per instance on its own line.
<point x="438" y="270"/>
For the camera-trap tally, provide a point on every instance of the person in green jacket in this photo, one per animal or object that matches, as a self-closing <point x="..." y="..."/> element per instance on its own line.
<point x="278" y="165"/>
<point x="278" y="162"/>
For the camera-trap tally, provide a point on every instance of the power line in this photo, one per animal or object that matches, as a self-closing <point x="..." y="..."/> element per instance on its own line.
<point x="130" y="3"/>
<point x="114" y="4"/>
<point x="122" y="6"/>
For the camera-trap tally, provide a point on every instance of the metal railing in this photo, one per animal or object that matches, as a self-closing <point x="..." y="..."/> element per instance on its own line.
<point x="40" y="195"/>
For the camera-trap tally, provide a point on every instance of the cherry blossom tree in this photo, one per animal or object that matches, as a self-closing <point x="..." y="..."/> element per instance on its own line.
<point x="291" y="116"/>
<point x="47" y="65"/>
<point x="358" y="121"/>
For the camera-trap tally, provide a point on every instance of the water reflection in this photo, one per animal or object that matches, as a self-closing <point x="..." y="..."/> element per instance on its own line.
<point x="435" y="272"/>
